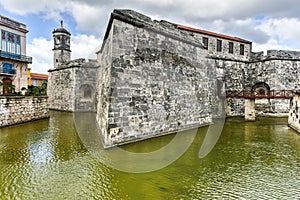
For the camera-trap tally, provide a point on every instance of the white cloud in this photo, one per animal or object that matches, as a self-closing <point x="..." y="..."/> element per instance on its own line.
<point x="284" y="30"/>
<point x="271" y="44"/>
<point x="22" y="7"/>
<point x="88" y="18"/>
<point x="233" y="17"/>
<point x="40" y="49"/>
<point x="84" y="46"/>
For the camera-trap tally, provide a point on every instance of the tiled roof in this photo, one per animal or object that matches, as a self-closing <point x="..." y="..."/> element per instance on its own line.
<point x="213" y="34"/>
<point x="39" y="76"/>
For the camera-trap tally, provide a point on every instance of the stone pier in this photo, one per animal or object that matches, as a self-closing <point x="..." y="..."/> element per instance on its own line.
<point x="249" y="109"/>
<point x="294" y="114"/>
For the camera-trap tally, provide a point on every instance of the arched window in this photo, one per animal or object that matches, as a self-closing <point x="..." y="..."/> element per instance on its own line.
<point x="261" y="88"/>
<point x="86" y="92"/>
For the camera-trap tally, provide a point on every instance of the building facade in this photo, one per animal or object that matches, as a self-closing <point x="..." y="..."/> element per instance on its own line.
<point x="13" y="59"/>
<point x="36" y="79"/>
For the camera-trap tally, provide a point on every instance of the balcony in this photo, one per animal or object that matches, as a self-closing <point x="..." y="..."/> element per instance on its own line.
<point x="7" y="71"/>
<point x="22" y="58"/>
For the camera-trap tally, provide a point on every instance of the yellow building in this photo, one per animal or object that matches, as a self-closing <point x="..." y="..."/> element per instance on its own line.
<point x="28" y="76"/>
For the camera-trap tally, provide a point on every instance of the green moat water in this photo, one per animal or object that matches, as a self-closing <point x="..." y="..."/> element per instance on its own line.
<point x="46" y="159"/>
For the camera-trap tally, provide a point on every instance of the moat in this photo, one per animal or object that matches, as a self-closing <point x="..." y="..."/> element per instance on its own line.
<point x="46" y="159"/>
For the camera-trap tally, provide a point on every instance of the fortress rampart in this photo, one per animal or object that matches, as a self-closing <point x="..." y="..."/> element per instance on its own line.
<point x="155" y="77"/>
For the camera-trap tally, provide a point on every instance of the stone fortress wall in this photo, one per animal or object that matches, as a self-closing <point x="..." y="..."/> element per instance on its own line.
<point x="73" y="86"/>
<point x="154" y="81"/>
<point x="155" y="77"/>
<point x="15" y="110"/>
<point x="278" y="69"/>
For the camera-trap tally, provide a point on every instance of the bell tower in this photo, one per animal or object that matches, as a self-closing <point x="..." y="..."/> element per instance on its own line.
<point x="61" y="50"/>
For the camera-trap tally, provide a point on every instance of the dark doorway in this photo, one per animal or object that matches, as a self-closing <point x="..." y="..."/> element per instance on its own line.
<point x="7" y="86"/>
<point x="261" y="88"/>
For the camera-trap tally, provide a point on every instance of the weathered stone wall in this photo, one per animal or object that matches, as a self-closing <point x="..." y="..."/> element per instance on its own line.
<point x="61" y="89"/>
<point x="153" y="78"/>
<point x="235" y="107"/>
<point x="278" y="72"/>
<point x="104" y="57"/>
<point x="159" y="83"/>
<point x="15" y="110"/>
<point x="59" y="57"/>
<point x="72" y="86"/>
<point x="224" y="54"/>
<point x="278" y="69"/>
<point x="85" y="86"/>
<point x="294" y="113"/>
<point x="250" y="110"/>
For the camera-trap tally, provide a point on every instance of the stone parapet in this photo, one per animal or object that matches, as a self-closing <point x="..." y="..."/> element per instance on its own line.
<point x="275" y="55"/>
<point x="16" y="110"/>
<point x="71" y="87"/>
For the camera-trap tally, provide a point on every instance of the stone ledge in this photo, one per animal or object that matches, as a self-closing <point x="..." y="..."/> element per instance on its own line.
<point x="22" y="97"/>
<point x="275" y="55"/>
<point x="77" y="63"/>
<point x="162" y="27"/>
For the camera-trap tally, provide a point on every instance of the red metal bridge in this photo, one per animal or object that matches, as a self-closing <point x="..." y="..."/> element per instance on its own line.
<point x="253" y="94"/>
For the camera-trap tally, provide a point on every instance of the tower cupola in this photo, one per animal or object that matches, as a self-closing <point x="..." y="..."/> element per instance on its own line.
<point x="61" y="50"/>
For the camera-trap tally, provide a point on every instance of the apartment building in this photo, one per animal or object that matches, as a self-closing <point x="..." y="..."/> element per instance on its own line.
<point x="13" y="59"/>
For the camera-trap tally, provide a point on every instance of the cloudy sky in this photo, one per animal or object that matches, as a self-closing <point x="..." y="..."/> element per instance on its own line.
<point x="269" y="24"/>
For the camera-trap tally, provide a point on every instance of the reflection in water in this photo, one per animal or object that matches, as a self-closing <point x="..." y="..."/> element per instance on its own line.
<point x="46" y="159"/>
<point x="41" y="151"/>
<point x="142" y="161"/>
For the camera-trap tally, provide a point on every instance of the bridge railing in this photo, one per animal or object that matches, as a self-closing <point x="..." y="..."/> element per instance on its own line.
<point x="252" y="94"/>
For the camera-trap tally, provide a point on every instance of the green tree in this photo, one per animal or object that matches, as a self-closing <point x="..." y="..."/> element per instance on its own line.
<point x="37" y="90"/>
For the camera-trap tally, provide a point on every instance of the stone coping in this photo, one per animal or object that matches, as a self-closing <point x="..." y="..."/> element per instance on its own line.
<point x="21" y="97"/>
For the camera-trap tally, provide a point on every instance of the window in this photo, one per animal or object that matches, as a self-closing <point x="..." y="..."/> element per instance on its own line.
<point x="87" y="94"/>
<point x="219" y="45"/>
<point x="57" y="39"/>
<point x="7" y="68"/>
<point x="10" y="43"/>
<point x="205" y="42"/>
<point x="67" y="41"/>
<point x="242" y="49"/>
<point x="3" y="35"/>
<point x="230" y="47"/>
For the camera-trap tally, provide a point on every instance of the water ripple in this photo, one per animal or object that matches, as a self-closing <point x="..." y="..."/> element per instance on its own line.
<point x="46" y="160"/>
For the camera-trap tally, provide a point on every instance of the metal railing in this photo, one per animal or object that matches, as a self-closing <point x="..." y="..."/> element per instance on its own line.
<point x="252" y="94"/>
<point x="11" y="71"/>
<point x="13" y="56"/>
